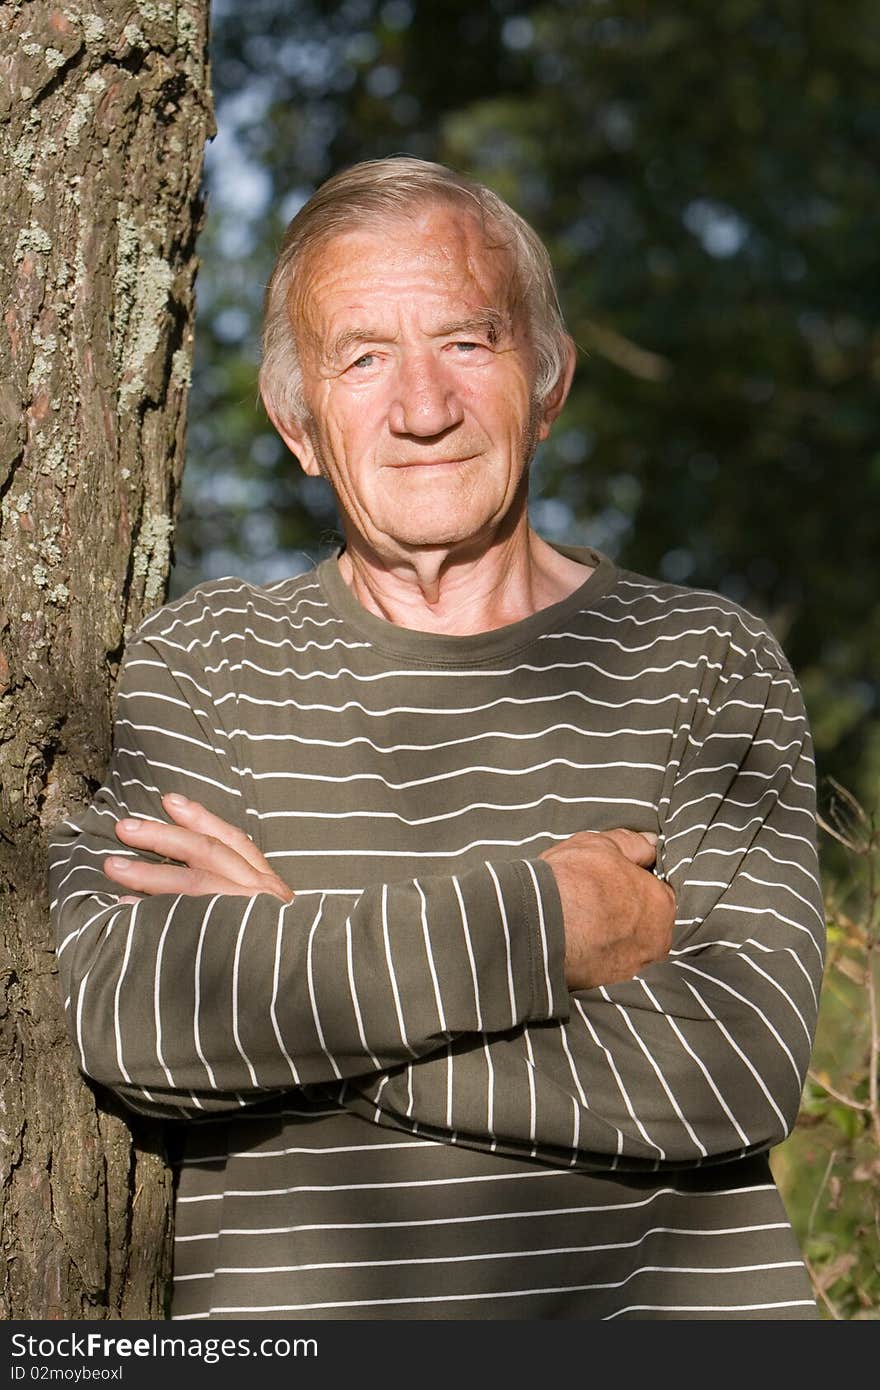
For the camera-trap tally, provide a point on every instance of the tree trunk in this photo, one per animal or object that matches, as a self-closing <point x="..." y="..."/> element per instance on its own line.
<point x="104" y="112"/>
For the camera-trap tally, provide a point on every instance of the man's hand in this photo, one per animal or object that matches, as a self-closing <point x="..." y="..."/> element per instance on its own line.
<point x="212" y="856"/>
<point x="618" y="915"/>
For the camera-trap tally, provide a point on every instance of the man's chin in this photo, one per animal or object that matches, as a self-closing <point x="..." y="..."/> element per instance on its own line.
<point x="419" y="525"/>
<point x="423" y="528"/>
<point x="428" y="538"/>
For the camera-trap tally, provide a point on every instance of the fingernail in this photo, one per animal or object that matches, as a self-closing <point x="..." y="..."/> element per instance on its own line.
<point x="650" y="837"/>
<point x="175" y="799"/>
<point x="130" y="827"/>
<point x="115" y="863"/>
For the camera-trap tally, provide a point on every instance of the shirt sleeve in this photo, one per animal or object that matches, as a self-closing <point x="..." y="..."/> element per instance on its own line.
<point x="704" y="1055"/>
<point x="188" y="1005"/>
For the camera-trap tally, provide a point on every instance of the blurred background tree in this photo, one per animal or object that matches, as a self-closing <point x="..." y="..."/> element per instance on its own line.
<point x="705" y="178"/>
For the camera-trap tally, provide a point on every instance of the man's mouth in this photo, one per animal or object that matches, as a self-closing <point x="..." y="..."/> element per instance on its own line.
<point x="433" y="462"/>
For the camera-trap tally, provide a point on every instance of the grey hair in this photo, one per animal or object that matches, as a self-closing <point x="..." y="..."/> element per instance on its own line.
<point x="383" y="188"/>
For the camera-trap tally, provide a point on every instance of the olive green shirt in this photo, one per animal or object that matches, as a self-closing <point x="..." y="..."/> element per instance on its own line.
<point x="389" y="1104"/>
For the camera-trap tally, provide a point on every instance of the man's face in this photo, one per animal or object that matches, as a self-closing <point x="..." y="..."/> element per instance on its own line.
<point x="418" y="383"/>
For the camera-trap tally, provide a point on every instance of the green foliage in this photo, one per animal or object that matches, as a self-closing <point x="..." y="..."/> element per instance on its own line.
<point x="829" y="1169"/>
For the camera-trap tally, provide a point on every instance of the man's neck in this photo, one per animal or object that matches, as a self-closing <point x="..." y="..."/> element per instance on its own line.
<point x="461" y="595"/>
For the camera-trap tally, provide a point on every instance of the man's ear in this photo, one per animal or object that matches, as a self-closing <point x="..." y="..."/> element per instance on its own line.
<point x="296" y="436"/>
<point x="556" y="398"/>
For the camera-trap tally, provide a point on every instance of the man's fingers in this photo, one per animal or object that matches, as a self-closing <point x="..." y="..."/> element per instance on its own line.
<point x="194" y="816"/>
<point x="158" y="878"/>
<point x="151" y="879"/>
<point x="638" y="846"/>
<point x="186" y="846"/>
<point x="201" y="853"/>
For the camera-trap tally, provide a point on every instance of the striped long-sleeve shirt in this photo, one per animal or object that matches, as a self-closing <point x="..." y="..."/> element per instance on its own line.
<point x="397" y="1108"/>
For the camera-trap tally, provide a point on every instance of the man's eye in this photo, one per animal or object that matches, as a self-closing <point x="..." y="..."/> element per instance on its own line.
<point x="365" y="360"/>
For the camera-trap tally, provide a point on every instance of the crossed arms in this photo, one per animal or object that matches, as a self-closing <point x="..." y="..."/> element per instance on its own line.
<point x="465" y="1003"/>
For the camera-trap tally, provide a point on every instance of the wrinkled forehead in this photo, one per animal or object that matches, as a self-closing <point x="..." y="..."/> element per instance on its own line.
<point x="444" y="249"/>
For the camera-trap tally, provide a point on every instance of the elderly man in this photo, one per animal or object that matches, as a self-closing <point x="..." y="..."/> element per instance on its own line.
<point x="378" y="897"/>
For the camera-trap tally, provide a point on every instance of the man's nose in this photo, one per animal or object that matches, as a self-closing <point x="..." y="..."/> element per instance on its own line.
<point x="425" y="401"/>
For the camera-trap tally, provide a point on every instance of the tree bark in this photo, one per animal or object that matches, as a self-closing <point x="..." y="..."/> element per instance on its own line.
<point x="104" y="112"/>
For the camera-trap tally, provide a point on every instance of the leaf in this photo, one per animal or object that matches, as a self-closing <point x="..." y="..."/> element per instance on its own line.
<point x="868" y="1171"/>
<point x="836" y="1270"/>
<point x="852" y="969"/>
